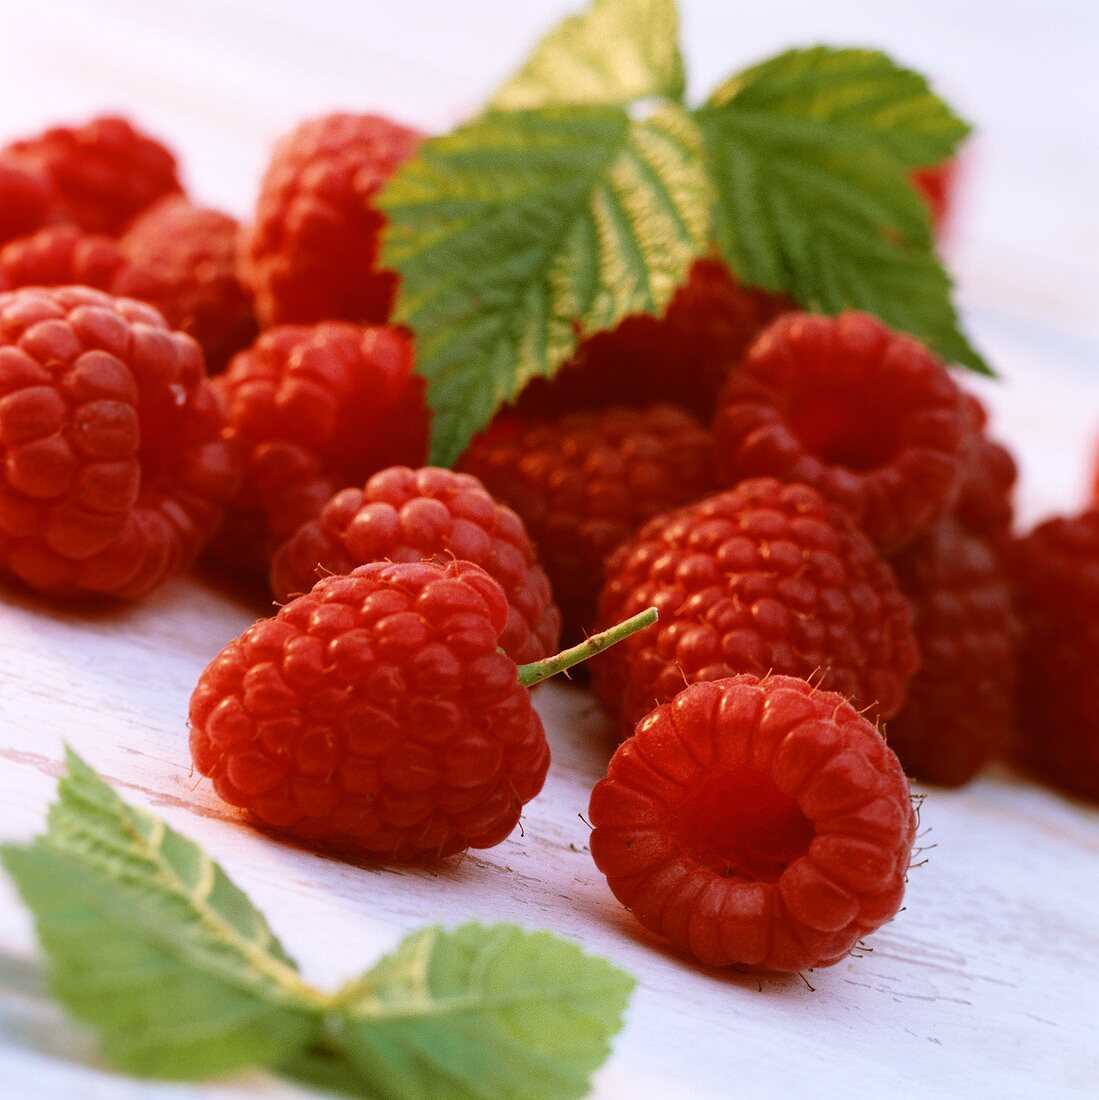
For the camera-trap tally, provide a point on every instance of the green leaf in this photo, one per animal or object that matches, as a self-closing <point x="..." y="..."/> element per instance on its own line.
<point x="483" y="1012"/>
<point x="811" y="154"/>
<point x="520" y="232"/>
<point x="150" y="943"/>
<point x="614" y="52"/>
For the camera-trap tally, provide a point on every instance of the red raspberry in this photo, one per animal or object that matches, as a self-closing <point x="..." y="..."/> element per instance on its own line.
<point x="1056" y="571"/>
<point x="585" y="482"/>
<point x="376" y="715"/>
<point x="756" y="822"/>
<point x="763" y="578"/>
<point x="986" y="506"/>
<point x="189" y="254"/>
<point x="102" y="173"/>
<point x="937" y="185"/>
<point x="65" y="255"/>
<point x="867" y="416"/>
<point x="682" y="357"/>
<point x="960" y="709"/>
<point x="115" y="465"/>
<point x="314" y="410"/>
<point x="26" y="199"/>
<point x="405" y="515"/>
<point x="313" y="249"/>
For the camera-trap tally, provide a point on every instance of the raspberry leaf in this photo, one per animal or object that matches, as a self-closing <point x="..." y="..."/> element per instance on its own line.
<point x="614" y="52"/>
<point x="520" y="232"/>
<point x="811" y="153"/>
<point x="150" y="943"/>
<point x="483" y="1012"/>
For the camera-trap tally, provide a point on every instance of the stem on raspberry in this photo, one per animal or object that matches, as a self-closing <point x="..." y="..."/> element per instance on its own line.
<point x="537" y="671"/>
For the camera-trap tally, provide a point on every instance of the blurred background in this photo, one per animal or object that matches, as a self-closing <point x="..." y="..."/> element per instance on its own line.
<point x="220" y="79"/>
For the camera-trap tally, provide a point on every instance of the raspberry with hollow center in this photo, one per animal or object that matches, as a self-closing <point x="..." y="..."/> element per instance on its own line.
<point x="378" y="716"/>
<point x="755" y="822"/>
<point x="867" y="416"/>
<point x="586" y="481"/>
<point x="314" y="409"/>
<point x="412" y="515"/>
<point x="683" y="357"/>
<point x="103" y="173"/>
<point x="764" y="577"/>
<point x="115" y="465"/>
<point x="1057" y="591"/>
<point x="187" y="256"/>
<point x="960" y="710"/>
<point x="312" y="252"/>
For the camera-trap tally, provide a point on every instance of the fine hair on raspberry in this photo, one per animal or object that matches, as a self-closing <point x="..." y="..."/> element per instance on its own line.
<point x="115" y="464"/>
<point x="376" y="715"/>
<point x="868" y="416"/>
<point x="762" y="578"/>
<point x="412" y="515"/>
<point x="756" y="822"/>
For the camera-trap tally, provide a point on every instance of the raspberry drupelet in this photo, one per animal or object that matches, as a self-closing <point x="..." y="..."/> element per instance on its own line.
<point x="756" y="822"/>
<point x="103" y="173"/>
<point x="762" y="578"/>
<point x="867" y="416"/>
<point x="405" y="515"/>
<point x="682" y="357"/>
<point x="188" y="254"/>
<point x="115" y="463"/>
<point x="378" y="716"/>
<point x="960" y="710"/>
<point x="986" y="506"/>
<point x="584" y="482"/>
<point x="312" y="251"/>
<point x="314" y="409"/>
<point x="1056" y="573"/>
<point x="26" y="198"/>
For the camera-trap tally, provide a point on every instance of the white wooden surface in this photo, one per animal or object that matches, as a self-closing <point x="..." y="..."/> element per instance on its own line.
<point x="987" y="983"/>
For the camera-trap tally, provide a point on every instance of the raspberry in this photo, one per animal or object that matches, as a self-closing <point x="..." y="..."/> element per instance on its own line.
<point x="682" y="357"/>
<point x="986" y="506"/>
<point x="65" y="255"/>
<point x="1057" y="588"/>
<point x="756" y="822"/>
<point x="313" y="249"/>
<point x="115" y="466"/>
<point x="376" y="715"/>
<point x="26" y="199"/>
<point x="764" y="577"/>
<point x="867" y="416"/>
<point x="314" y="410"/>
<point x="586" y="481"/>
<point x="102" y="173"/>
<point x="189" y="254"/>
<point x="960" y="709"/>
<point x="937" y="185"/>
<point x="405" y="515"/>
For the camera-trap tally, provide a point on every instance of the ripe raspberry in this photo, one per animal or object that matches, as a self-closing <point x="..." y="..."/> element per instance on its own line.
<point x="65" y="255"/>
<point x="26" y="199"/>
<point x="764" y="577"/>
<point x="102" y="173"/>
<point x="115" y="467"/>
<point x="189" y="254"/>
<point x="314" y="410"/>
<point x="960" y="710"/>
<point x="986" y="506"/>
<point x="586" y="481"/>
<point x="756" y="822"/>
<point x="405" y="515"/>
<point x="867" y="416"/>
<point x="313" y="248"/>
<point x="376" y="715"/>
<point x="682" y="357"/>
<point x="1057" y="588"/>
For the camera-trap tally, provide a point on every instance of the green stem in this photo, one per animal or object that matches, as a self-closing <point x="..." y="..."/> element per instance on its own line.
<point x="537" y="671"/>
